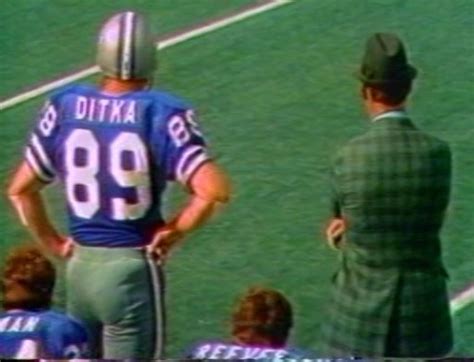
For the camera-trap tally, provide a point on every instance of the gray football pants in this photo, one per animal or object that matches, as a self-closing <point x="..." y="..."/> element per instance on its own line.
<point x="118" y="293"/>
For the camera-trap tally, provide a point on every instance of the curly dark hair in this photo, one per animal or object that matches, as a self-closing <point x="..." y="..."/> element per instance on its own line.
<point x="262" y="316"/>
<point x="28" y="279"/>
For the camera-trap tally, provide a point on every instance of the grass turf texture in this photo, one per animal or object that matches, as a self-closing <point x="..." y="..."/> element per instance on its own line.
<point x="277" y="99"/>
<point x="42" y="39"/>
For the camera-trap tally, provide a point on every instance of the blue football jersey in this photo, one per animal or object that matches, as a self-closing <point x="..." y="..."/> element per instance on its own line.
<point x="231" y="351"/>
<point x="41" y="334"/>
<point x="114" y="155"/>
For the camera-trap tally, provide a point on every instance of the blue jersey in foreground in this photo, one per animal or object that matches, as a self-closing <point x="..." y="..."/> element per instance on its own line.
<point x="114" y="155"/>
<point x="41" y="334"/>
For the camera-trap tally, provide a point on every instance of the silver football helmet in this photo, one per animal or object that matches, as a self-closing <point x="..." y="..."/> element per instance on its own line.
<point x="126" y="48"/>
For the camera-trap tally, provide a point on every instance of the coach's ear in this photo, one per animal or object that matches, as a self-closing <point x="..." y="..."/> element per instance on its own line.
<point x="211" y="183"/>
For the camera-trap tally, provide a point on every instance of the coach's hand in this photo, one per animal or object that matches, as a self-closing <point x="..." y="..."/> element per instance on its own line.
<point x="335" y="232"/>
<point x="163" y="241"/>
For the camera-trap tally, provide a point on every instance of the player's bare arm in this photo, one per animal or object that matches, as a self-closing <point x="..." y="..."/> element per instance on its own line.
<point x="210" y="188"/>
<point x="24" y="192"/>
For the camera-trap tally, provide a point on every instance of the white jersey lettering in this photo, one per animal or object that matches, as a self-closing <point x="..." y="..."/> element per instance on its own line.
<point x="105" y="110"/>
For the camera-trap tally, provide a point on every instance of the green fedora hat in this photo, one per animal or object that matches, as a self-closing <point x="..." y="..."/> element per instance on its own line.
<point x="385" y="61"/>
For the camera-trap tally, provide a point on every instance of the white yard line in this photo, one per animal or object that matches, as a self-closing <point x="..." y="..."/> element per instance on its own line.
<point x="179" y="38"/>
<point x="462" y="300"/>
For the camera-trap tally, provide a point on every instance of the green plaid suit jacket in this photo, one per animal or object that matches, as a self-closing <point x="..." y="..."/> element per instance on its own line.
<point x="389" y="295"/>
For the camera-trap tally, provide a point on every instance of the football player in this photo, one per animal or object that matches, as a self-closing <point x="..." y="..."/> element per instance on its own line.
<point x="261" y="324"/>
<point x="28" y="329"/>
<point x="114" y="147"/>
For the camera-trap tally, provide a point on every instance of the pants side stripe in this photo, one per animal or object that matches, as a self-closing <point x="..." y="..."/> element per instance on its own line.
<point x="158" y="287"/>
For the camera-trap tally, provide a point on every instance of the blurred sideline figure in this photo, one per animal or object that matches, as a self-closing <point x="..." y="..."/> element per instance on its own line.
<point x="28" y="328"/>
<point x="114" y="147"/>
<point x="261" y="324"/>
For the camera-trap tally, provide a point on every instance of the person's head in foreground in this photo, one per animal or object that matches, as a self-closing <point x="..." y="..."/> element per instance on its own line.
<point x="262" y="317"/>
<point x="385" y="74"/>
<point x="28" y="328"/>
<point x="28" y="280"/>
<point x="260" y="326"/>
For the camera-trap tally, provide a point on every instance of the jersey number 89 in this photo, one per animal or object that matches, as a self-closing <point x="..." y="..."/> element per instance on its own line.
<point x="84" y="174"/>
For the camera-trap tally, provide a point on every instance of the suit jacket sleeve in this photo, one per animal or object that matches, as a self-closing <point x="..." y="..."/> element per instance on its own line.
<point x="443" y="158"/>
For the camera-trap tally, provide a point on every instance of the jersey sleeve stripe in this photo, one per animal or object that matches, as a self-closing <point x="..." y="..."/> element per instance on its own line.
<point x="45" y="161"/>
<point x="193" y="166"/>
<point x="32" y="161"/>
<point x="186" y="157"/>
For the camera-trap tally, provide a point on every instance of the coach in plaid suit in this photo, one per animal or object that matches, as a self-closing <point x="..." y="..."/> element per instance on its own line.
<point x="390" y="193"/>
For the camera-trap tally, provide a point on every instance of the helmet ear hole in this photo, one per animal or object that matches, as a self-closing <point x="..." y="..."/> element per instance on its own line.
<point x="126" y="47"/>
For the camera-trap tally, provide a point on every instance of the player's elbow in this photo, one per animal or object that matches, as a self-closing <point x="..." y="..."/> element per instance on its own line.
<point x="222" y="187"/>
<point x="223" y="190"/>
<point x="12" y="191"/>
<point x="211" y="183"/>
<point x="22" y="183"/>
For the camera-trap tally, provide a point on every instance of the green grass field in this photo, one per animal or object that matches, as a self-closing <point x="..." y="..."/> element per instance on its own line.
<point x="276" y="98"/>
